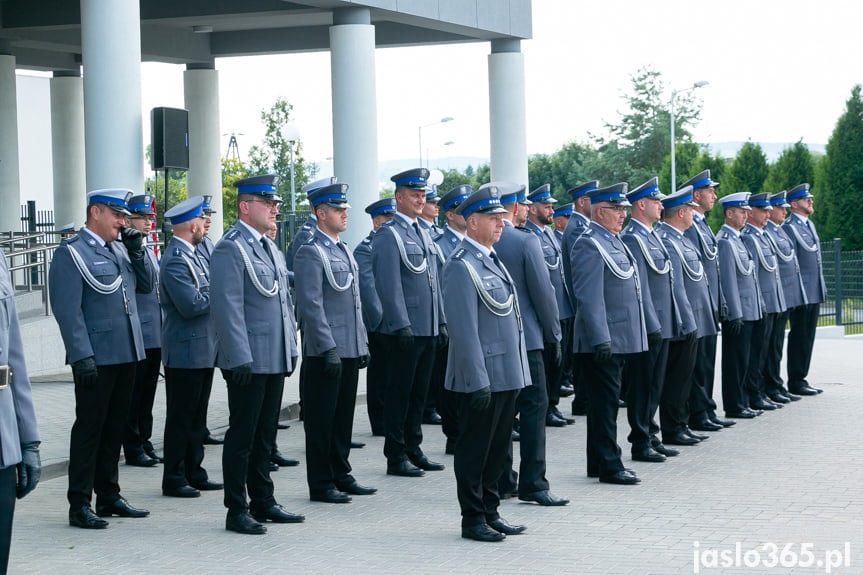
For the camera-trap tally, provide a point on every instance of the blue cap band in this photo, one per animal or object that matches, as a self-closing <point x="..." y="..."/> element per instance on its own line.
<point x="410" y="180"/>
<point x="642" y="193"/>
<point x="188" y="215"/>
<point x="381" y="209"/>
<point x="581" y="192"/>
<point x="674" y="202"/>
<point x="607" y="197"/>
<point x="327" y="197"/>
<point x="804" y="193"/>
<point x="705" y="183"/>
<point x="450" y="202"/>
<point x="566" y="212"/>
<point x="140" y="206"/>
<point x="256" y="189"/>
<point x="107" y="200"/>
<point x="468" y="210"/>
<point x="734" y="203"/>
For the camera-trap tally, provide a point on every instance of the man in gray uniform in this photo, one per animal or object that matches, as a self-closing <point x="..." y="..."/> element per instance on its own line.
<point x="743" y="301"/>
<point x="520" y="252"/>
<point x="428" y="220"/>
<point x="189" y="351"/>
<point x="413" y="324"/>
<point x="795" y="296"/>
<point x="429" y="215"/>
<point x="378" y="373"/>
<point x="20" y="466"/>
<point x="487" y="364"/>
<point x="539" y="218"/>
<point x="307" y="230"/>
<point x="334" y="345"/>
<point x="137" y="447"/>
<point x="204" y="250"/>
<point x="803" y="319"/>
<point x="609" y="326"/>
<point x="762" y="252"/>
<point x="254" y="321"/>
<point x="562" y="214"/>
<point x="92" y="283"/>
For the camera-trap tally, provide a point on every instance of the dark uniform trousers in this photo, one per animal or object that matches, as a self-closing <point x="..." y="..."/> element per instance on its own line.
<point x="377" y="380"/>
<point x="558" y="375"/>
<point x="762" y="331"/>
<point x="701" y="391"/>
<point x="254" y="410"/>
<point x="645" y="373"/>
<point x="187" y="393"/>
<point x="735" y="365"/>
<point x="329" y="420"/>
<point x="139" y="424"/>
<point x="446" y="401"/>
<point x="406" y="396"/>
<point x="801" y="338"/>
<point x="602" y="380"/>
<point x="773" y="358"/>
<point x="580" y="399"/>
<point x="100" y="419"/>
<point x="8" y="480"/>
<point x="675" y="404"/>
<point x="481" y="452"/>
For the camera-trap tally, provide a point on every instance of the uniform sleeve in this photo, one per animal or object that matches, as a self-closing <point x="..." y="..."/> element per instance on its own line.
<point x="178" y="285"/>
<point x="540" y="290"/>
<point x="462" y="306"/>
<point x="317" y="337"/>
<point x="728" y="279"/>
<point x="589" y="289"/>
<point x="651" y="320"/>
<point x="681" y="298"/>
<point x="145" y="274"/>
<point x="65" y="291"/>
<point x="227" y="284"/>
<point x="388" y="281"/>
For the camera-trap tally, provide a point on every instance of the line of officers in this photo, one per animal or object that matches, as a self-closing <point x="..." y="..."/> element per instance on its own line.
<point x="495" y="313"/>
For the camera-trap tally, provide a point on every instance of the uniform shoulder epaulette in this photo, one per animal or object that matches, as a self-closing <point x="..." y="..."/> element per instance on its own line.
<point x="68" y="241"/>
<point x="389" y="222"/>
<point x="459" y="254"/>
<point x="367" y="241"/>
<point x="176" y="251"/>
<point x="311" y="241"/>
<point x="524" y="229"/>
<point x="232" y="234"/>
<point x="587" y="232"/>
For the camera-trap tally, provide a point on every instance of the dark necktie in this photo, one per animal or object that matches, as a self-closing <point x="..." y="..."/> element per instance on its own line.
<point x="267" y="250"/>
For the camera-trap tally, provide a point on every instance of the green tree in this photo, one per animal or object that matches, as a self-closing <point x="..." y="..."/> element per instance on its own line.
<point x="686" y="157"/>
<point x="232" y="170"/>
<point x="794" y="166"/>
<point x="176" y="192"/>
<point x="748" y="171"/>
<point x="571" y="165"/>
<point x="453" y="178"/>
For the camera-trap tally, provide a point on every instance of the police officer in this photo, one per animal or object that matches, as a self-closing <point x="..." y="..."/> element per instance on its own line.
<point x="561" y="218"/>
<point x="20" y="466"/>
<point x="137" y="447"/>
<point x="539" y="217"/>
<point x="428" y="220"/>
<point x="307" y="230"/>
<point x="521" y="253"/>
<point x="429" y="215"/>
<point x="744" y="308"/>
<point x="335" y="346"/>
<point x="793" y="291"/>
<point x="204" y="250"/>
<point x="413" y="324"/>
<point x="803" y="319"/>
<point x="378" y="373"/>
<point x="256" y="334"/>
<point x="487" y="364"/>
<point x="609" y="326"/>
<point x="91" y="284"/>
<point x="189" y="356"/>
<point x="762" y="252"/>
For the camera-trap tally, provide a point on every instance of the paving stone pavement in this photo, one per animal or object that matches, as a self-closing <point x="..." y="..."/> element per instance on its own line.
<point x="789" y="477"/>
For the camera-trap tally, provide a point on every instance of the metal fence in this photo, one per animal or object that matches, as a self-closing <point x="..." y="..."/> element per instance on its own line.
<point x="286" y="228"/>
<point x="843" y="274"/>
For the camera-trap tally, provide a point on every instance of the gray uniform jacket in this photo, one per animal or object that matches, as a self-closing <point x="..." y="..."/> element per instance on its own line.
<point x="17" y="415"/>
<point x="446" y="244"/>
<point x="409" y="297"/>
<point x="103" y="326"/>
<point x="251" y="327"/>
<point x="520" y="252"/>
<point x="205" y="250"/>
<point x="434" y="231"/>
<point x="789" y="268"/>
<point x="372" y="311"/>
<point x="188" y="335"/>
<point x="808" y="248"/>
<point x="149" y="310"/>
<point x="608" y="306"/>
<point x="701" y="236"/>
<point x="737" y="277"/>
<point x="558" y="235"/>
<point x="762" y="253"/>
<point x="302" y="235"/>
<point x="329" y="302"/>
<point x="690" y="284"/>
<point x="657" y="289"/>
<point x="486" y="348"/>
<point x="554" y="264"/>
<point x="574" y="228"/>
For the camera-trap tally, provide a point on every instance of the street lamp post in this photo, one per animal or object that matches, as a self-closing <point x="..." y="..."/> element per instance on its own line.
<point x="673" y="96"/>
<point x="291" y="134"/>
<point x="441" y="121"/>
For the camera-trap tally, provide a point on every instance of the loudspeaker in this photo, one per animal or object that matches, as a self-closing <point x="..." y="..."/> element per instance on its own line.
<point x="169" y="139"/>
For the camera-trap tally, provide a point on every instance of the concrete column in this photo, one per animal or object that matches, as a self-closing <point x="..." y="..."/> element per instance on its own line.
<point x="355" y="118"/>
<point x="67" y="144"/>
<point x="111" y="51"/>
<point x="508" y="126"/>
<point x="10" y="198"/>
<point x="201" y="89"/>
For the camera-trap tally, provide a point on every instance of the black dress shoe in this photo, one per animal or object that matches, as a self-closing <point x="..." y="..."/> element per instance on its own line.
<point x="804" y="389"/>
<point x="666" y="451"/>
<point x="776" y="397"/>
<point x="283" y="461"/>
<point x="704" y="425"/>
<point x="559" y="415"/>
<point x="758" y="403"/>
<point x="181" y="491"/>
<point x="210" y="440"/>
<point x="244" y="523"/>
<point x="723" y="422"/>
<point x="482" y="532"/>
<point x="648" y="454"/>
<point x="425" y="464"/>
<point x="273" y="467"/>
<point x="331" y="496"/>
<point x="404" y="468"/>
<point x="688" y="432"/>
<point x="431" y="418"/>
<point x="357" y="444"/>
<point x="545" y="498"/>
<point x="623" y="477"/>
<point x="356" y="489"/>
<point x="622" y="404"/>
<point x="788" y="395"/>
<point x="742" y="414"/>
<point x="566" y="390"/>
<point x="84" y="518"/>
<point x="516" y="436"/>
<point x="502" y="526"/>
<point x="283" y="426"/>
<point x="141" y="460"/>
<point x="277" y="514"/>
<point x="208" y="485"/>
<point x="120" y="508"/>
<point x="679" y="438"/>
<point x="551" y="420"/>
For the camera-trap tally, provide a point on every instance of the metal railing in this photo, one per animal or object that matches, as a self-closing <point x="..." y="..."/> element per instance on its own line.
<point x="29" y="253"/>
<point x="843" y="274"/>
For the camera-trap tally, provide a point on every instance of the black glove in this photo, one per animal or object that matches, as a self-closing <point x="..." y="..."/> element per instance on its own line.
<point x="364" y="361"/>
<point x="443" y="336"/>
<point x="602" y="352"/>
<point x="242" y="374"/>
<point x="332" y="364"/>
<point x="134" y="242"/>
<point x="691" y="336"/>
<point x="733" y="327"/>
<point x="655" y="338"/>
<point x="554" y="350"/>
<point x="85" y="372"/>
<point x="406" y="338"/>
<point x="29" y="470"/>
<point x="480" y="399"/>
